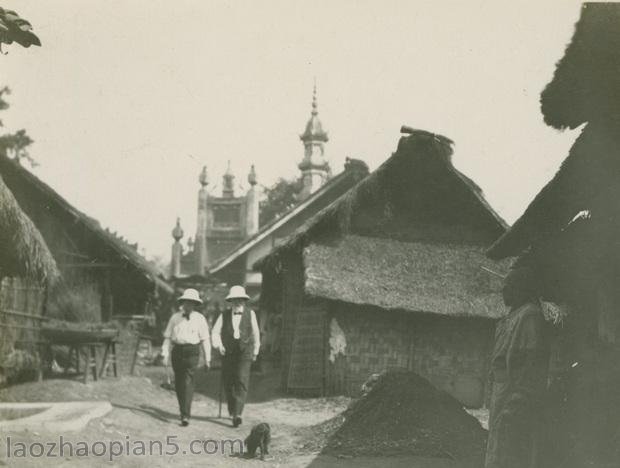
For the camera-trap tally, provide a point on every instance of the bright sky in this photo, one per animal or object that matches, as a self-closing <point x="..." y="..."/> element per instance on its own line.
<point x="126" y="100"/>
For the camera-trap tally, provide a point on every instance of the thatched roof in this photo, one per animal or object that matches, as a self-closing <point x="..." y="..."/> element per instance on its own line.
<point x="415" y="277"/>
<point x="574" y="263"/>
<point x="124" y="251"/>
<point x="585" y="88"/>
<point x="420" y="182"/>
<point x="23" y="252"/>
<point x="591" y="170"/>
<point x="586" y="83"/>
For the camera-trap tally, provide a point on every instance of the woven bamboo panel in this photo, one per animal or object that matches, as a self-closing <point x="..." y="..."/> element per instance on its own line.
<point x="307" y="365"/>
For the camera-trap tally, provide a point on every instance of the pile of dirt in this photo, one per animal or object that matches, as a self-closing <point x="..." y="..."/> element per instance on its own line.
<point x="402" y="413"/>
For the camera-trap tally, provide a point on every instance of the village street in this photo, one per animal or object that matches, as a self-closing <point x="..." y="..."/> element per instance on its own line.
<point x="143" y="411"/>
<point x="356" y="234"/>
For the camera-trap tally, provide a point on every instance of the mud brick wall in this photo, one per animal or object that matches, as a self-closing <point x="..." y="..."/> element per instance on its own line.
<point x="374" y="344"/>
<point x="451" y="353"/>
<point x="454" y="355"/>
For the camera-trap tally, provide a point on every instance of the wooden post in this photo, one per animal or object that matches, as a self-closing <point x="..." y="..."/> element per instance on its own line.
<point x="91" y="361"/>
<point x="114" y="369"/>
<point x="104" y="360"/>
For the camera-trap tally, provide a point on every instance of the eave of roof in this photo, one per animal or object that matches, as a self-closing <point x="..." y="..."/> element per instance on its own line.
<point x="124" y="251"/>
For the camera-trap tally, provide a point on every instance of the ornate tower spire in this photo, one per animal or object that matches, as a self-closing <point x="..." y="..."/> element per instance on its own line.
<point x="228" y="188"/>
<point x="314" y="167"/>
<point x="314" y="129"/>
<point x="177" y="250"/>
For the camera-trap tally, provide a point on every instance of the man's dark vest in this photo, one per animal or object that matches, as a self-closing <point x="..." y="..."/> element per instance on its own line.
<point x="246" y="338"/>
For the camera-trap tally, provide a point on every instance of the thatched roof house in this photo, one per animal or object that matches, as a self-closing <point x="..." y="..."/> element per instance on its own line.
<point x="570" y="235"/>
<point x="89" y="257"/>
<point x="391" y="274"/>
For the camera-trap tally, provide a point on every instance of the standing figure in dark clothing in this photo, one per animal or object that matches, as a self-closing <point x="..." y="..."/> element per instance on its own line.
<point x="519" y="366"/>
<point x="237" y="337"/>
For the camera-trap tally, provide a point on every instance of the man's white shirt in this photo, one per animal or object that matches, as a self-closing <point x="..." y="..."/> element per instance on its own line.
<point x="187" y="331"/>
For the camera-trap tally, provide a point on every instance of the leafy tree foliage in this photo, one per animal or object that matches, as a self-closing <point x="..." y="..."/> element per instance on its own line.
<point x="279" y="198"/>
<point x="14" y="28"/>
<point x="14" y="145"/>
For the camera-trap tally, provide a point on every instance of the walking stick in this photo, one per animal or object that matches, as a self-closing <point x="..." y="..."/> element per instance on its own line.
<point x="219" y="397"/>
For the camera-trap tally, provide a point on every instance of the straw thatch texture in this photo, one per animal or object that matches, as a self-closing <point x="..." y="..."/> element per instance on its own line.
<point x="416" y="277"/>
<point x="585" y="88"/>
<point x="23" y="252"/>
<point x="573" y="262"/>
<point x="417" y="186"/>
<point x="586" y="83"/>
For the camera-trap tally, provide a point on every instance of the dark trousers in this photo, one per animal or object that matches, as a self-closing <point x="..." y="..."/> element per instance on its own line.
<point x="184" y="363"/>
<point x="236" y="378"/>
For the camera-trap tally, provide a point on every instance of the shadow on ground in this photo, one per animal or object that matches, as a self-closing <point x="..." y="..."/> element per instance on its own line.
<point x="265" y="385"/>
<point x="405" y="461"/>
<point x="166" y="416"/>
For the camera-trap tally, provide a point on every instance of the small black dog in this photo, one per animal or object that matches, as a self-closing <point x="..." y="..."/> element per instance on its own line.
<point x="260" y="436"/>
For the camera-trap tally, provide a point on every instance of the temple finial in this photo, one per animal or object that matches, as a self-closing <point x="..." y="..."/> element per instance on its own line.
<point x="314" y="102"/>
<point x="228" y="189"/>
<point x="252" y="176"/>
<point x="177" y="232"/>
<point x="204" y="177"/>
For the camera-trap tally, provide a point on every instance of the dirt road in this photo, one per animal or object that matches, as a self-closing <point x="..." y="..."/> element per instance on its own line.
<point x="143" y="427"/>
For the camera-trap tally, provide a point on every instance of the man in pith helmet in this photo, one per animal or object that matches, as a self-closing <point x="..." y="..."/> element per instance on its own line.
<point x="186" y="333"/>
<point x="237" y="337"/>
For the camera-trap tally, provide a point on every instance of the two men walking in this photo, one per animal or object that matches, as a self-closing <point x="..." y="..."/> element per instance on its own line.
<point x="235" y="335"/>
